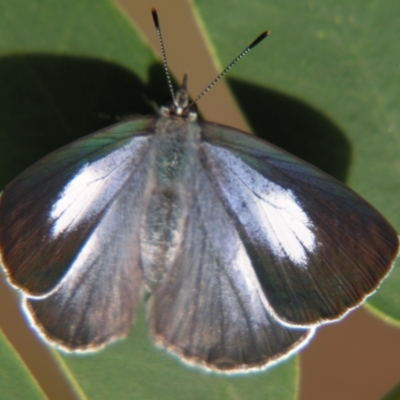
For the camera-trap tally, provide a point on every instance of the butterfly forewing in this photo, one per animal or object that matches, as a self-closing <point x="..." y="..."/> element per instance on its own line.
<point x="316" y="247"/>
<point x="210" y="308"/>
<point x="49" y="211"/>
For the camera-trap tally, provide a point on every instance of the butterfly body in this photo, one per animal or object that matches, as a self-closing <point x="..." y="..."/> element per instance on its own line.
<point x="173" y="161"/>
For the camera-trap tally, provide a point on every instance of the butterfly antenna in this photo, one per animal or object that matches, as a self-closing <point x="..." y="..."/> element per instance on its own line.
<point x="254" y="43"/>
<point x="164" y="57"/>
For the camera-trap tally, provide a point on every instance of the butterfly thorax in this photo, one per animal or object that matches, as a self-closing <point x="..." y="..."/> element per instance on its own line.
<point x="174" y="150"/>
<point x="169" y="194"/>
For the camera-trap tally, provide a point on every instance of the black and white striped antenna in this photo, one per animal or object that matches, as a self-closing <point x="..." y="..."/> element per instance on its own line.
<point x="230" y="65"/>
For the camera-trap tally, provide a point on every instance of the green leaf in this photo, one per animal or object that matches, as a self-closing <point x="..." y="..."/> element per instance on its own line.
<point x="64" y="65"/>
<point x="68" y="69"/>
<point x="134" y="368"/>
<point x="394" y="394"/>
<point x="16" y="381"/>
<point x="324" y="86"/>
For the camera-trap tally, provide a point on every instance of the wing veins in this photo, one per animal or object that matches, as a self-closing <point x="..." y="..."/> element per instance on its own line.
<point x="240" y="303"/>
<point x="232" y="219"/>
<point x="289" y="177"/>
<point x="361" y="244"/>
<point x="103" y="178"/>
<point x="106" y="208"/>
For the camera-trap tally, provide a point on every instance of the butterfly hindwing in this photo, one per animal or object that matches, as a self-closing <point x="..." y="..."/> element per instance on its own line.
<point x="317" y="247"/>
<point x="210" y="308"/>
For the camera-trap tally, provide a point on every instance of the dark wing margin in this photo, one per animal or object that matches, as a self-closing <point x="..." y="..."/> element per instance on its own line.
<point x="48" y="212"/>
<point x="317" y="248"/>
<point x="210" y="309"/>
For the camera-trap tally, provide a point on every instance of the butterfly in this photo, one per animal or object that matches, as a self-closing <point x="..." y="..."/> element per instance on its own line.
<point x="244" y="248"/>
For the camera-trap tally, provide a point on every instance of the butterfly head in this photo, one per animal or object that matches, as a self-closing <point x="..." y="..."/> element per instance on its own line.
<point x="180" y="106"/>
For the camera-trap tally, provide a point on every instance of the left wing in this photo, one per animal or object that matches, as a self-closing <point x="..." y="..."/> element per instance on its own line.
<point x="48" y="212"/>
<point x="96" y="301"/>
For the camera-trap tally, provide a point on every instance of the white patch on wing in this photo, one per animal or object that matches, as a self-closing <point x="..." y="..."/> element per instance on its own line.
<point x="280" y="216"/>
<point x="239" y="267"/>
<point x="92" y="187"/>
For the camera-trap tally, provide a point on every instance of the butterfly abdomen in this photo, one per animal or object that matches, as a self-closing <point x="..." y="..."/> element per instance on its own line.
<point x="169" y="195"/>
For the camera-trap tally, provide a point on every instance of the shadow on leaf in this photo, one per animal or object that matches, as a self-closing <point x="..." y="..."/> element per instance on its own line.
<point x="47" y="101"/>
<point x="295" y="127"/>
